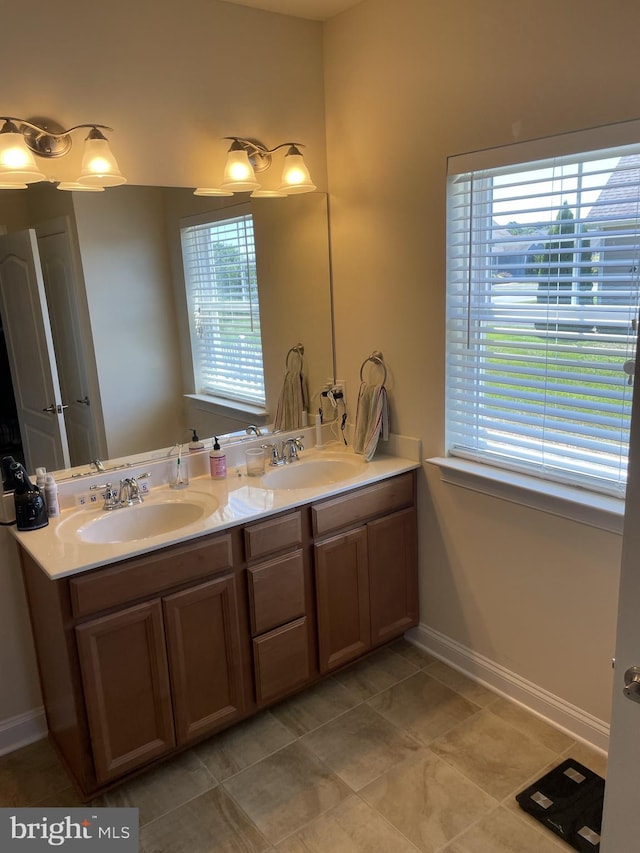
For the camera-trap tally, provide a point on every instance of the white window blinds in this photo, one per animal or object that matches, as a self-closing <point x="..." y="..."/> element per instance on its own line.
<point x="222" y="294"/>
<point x="542" y="300"/>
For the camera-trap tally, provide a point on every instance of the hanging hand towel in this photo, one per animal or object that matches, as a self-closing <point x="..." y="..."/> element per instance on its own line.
<point x="372" y="419"/>
<point x="292" y="401"/>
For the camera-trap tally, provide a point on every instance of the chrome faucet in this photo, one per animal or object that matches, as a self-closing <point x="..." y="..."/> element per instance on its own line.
<point x="110" y="495"/>
<point x="252" y="429"/>
<point x="98" y="464"/>
<point x="127" y="495"/>
<point x="284" y="452"/>
<point x="291" y="447"/>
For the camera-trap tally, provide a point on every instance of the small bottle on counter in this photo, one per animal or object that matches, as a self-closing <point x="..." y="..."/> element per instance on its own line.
<point x="51" y="497"/>
<point x="217" y="462"/>
<point x="195" y="443"/>
<point x="41" y="478"/>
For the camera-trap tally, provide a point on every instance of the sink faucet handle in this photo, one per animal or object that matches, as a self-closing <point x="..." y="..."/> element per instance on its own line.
<point x="275" y="453"/>
<point x="110" y="495"/>
<point x="293" y="445"/>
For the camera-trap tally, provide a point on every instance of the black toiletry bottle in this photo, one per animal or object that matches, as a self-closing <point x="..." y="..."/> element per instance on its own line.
<point x="31" y="510"/>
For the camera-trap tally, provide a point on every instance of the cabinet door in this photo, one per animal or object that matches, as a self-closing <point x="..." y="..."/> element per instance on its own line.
<point x="126" y="685"/>
<point x="203" y="641"/>
<point x="342" y="590"/>
<point x="393" y="575"/>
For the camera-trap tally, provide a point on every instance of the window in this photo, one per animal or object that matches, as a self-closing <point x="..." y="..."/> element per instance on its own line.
<point x="543" y="277"/>
<point x="222" y="295"/>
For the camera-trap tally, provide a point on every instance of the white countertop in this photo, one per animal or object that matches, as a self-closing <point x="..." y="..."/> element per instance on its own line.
<point x="240" y="499"/>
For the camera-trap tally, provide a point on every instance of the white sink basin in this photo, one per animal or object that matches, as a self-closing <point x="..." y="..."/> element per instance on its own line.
<point x="311" y="473"/>
<point x="140" y="521"/>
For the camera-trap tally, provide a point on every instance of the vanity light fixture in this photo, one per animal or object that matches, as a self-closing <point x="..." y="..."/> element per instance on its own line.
<point x="21" y="139"/>
<point x="248" y="156"/>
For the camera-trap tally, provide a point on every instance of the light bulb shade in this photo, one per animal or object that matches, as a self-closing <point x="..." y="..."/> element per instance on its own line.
<point x="262" y="193"/>
<point x="211" y="191"/>
<point x="295" y="175"/>
<point x="99" y="166"/>
<point x="238" y="172"/>
<point x="75" y="187"/>
<point x="17" y="163"/>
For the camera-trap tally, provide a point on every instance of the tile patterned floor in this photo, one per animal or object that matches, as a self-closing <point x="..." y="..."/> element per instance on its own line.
<point x="398" y="753"/>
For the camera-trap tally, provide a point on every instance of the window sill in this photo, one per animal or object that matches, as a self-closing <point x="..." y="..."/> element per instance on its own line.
<point x="590" y="508"/>
<point x="230" y="408"/>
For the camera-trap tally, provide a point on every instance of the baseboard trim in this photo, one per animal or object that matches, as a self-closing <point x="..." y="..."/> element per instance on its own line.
<point x="571" y="719"/>
<point x="22" y="730"/>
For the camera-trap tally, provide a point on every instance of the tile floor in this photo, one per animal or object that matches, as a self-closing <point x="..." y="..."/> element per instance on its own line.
<point x="398" y="753"/>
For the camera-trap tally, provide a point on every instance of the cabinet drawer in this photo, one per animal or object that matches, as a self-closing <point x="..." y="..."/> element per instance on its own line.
<point x="276" y="592"/>
<point x="281" y="660"/>
<point x="273" y="535"/>
<point x="378" y="499"/>
<point x="159" y="570"/>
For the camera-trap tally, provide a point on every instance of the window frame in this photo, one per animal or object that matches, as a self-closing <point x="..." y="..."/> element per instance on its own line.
<point x="219" y="396"/>
<point x="513" y="158"/>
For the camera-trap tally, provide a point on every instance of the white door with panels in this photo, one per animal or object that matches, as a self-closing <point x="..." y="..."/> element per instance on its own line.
<point x="31" y="355"/>
<point x="62" y="298"/>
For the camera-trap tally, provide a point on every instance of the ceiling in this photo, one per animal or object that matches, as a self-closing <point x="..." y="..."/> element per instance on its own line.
<point x="317" y="10"/>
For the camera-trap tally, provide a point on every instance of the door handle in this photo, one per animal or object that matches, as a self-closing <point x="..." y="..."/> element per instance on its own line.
<point x="85" y="401"/>
<point x="632" y="683"/>
<point x="55" y="408"/>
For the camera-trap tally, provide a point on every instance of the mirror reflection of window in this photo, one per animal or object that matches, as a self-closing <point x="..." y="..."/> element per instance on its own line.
<point x="224" y="316"/>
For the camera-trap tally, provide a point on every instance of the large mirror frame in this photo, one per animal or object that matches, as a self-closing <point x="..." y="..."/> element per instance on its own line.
<point x="112" y="273"/>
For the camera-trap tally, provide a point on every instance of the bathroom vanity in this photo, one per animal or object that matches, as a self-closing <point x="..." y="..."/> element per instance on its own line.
<point x="145" y="655"/>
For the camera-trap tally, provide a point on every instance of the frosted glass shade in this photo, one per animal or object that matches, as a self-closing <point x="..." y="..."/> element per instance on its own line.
<point x="99" y="166"/>
<point x="211" y="191"/>
<point x="295" y="175"/>
<point x="238" y="173"/>
<point x="75" y="187"/>
<point x="17" y="163"/>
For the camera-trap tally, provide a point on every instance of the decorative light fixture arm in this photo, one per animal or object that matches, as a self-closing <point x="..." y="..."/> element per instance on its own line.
<point x="49" y="140"/>
<point x="21" y="138"/>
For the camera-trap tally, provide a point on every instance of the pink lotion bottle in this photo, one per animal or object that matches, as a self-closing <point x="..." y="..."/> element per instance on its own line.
<point x="217" y="462"/>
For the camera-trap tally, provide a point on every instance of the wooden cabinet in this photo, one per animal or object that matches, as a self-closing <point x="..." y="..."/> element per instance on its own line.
<point x="168" y="662"/>
<point x="279" y="594"/>
<point x="203" y="642"/>
<point x="366" y="577"/>
<point x="126" y="688"/>
<point x="145" y="657"/>
<point x="342" y="590"/>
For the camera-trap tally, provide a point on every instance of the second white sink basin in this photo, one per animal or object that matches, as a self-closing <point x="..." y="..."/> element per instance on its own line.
<point x="131" y="523"/>
<point x="311" y="473"/>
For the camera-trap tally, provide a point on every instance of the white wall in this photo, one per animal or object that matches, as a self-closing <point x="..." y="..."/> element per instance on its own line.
<point x="408" y="83"/>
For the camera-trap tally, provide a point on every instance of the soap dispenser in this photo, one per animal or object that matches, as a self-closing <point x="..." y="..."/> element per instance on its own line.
<point x="31" y="511"/>
<point x="195" y="443"/>
<point x="217" y="461"/>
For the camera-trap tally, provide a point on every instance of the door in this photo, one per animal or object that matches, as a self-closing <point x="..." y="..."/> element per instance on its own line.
<point x="622" y="791"/>
<point x="342" y="589"/>
<point x="61" y="287"/>
<point x="31" y="355"/>
<point x="393" y="575"/>
<point x="203" y="640"/>
<point x="125" y="676"/>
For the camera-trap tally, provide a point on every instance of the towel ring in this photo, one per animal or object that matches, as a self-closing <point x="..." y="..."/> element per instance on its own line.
<point x="298" y="349"/>
<point x="375" y="358"/>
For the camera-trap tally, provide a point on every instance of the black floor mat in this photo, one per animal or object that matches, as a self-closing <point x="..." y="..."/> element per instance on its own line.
<point x="568" y="801"/>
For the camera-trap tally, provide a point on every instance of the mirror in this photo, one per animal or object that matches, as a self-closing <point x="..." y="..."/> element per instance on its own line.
<point x="130" y="359"/>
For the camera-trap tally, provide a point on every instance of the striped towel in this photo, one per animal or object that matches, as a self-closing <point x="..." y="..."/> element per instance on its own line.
<point x="372" y="419"/>
<point x="292" y="401"/>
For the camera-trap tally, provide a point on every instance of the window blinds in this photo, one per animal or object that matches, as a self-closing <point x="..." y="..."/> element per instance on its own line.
<point x="542" y="299"/>
<point x="222" y="293"/>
